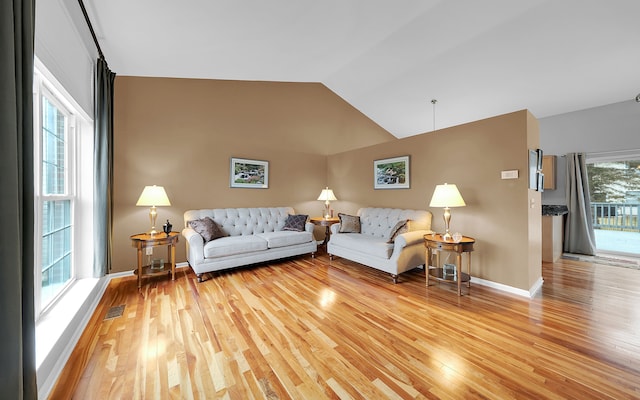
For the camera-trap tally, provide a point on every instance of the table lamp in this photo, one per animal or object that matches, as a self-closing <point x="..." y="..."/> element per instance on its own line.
<point x="327" y="195"/>
<point x="153" y="196"/>
<point x="446" y="196"/>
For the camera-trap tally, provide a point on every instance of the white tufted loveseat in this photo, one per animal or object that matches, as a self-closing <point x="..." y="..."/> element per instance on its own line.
<point x="252" y="235"/>
<point x="374" y="247"/>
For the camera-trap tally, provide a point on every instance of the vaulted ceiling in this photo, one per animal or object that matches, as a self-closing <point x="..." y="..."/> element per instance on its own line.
<point x="389" y="59"/>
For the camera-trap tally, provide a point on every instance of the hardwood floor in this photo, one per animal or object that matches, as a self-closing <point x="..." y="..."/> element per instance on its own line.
<point x="313" y="329"/>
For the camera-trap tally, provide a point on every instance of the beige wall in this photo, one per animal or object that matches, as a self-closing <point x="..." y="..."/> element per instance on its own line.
<point x="498" y="213"/>
<point x="181" y="134"/>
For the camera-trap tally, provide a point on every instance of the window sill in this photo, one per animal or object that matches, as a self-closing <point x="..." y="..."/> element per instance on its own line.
<point x="58" y="331"/>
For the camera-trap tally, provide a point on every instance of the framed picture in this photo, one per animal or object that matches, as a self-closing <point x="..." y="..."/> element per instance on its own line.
<point x="533" y="169"/>
<point x="540" y="155"/>
<point x="249" y="173"/>
<point x="540" y="187"/>
<point x="391" y="173"/>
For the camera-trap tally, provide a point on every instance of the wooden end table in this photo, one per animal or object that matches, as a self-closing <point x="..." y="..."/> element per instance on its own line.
<point x="143" y="241"/>
<point x="436" y="242"/>
<point x="326" y="222"/>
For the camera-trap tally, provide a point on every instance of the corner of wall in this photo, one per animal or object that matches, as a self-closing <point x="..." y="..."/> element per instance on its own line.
<point x="535" y="211"/>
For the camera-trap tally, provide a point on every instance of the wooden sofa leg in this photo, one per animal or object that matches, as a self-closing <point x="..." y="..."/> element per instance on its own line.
<point x="330" y="257"/>
<point x="313" y="255"/>
<point x="199" y="278"/>
<point x="395" y="279"/>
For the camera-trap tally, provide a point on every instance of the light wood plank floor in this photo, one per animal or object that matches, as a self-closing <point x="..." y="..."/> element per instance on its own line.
<point x="313" y="329"/>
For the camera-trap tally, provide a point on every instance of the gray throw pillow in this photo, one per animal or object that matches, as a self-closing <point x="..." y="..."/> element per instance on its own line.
<point x="295" y="223"/>
<point x="349" y="223"/>
<point x="400" y="227"/>
<point x="207" y="228"/>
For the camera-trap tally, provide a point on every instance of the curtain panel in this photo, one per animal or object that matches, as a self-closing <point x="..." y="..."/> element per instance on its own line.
<point x="17" y="330"/>
<point x="103" y="169"/>
<point x="579" y="237"/>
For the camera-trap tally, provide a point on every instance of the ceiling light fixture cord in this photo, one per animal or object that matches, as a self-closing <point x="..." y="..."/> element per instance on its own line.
<point x="434" y="101"/>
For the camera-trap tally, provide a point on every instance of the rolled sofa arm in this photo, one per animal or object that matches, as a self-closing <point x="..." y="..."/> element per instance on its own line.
<point x="335" y="228"/>
<point x="308" y="226"/>
<point x="195" y="246"/>
<point x="409" y="238"/>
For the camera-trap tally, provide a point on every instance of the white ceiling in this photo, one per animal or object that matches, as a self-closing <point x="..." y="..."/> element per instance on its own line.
<point x="390" y="58"/>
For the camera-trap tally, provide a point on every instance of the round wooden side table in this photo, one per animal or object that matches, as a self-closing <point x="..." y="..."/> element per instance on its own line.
<point x="326" y="222"/>
<point x="143" y="241"/>
<point x="435" y="242"/>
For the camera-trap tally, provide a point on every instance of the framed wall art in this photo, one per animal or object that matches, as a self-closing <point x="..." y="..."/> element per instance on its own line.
<point x="533" y="169"/>
<point x="391" y="173"/>
<point x="246" y="173"/>
<point x="536" y="177"/>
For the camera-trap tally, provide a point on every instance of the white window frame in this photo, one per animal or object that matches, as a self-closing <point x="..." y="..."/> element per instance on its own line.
<point x="46" y="85"/>
<point x="59" y="325"/>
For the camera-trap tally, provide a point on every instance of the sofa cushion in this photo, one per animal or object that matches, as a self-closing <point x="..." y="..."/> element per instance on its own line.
<point x="230" y="245"/>
<point x="400" y="227"/>
<point x="349" y="223"/>
<point x="367" y="244"/>
<point x="295" y="223"/>
<point x="285" y="238"/>
<point x="207" y="228"/>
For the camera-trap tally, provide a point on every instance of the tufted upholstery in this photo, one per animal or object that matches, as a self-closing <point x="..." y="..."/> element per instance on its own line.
<point x="244" y="221"/>
<point x="254" y="235"/>
<point x="371" y="246"/>
<point x="378" y="222"/>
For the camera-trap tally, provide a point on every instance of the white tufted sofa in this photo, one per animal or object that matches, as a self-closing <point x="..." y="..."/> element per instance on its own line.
<point x="371" y="248"/>
<point x="254" y="235"/>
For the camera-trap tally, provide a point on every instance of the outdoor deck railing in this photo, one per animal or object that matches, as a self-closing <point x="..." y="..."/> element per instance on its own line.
<point x="616" y="216"/>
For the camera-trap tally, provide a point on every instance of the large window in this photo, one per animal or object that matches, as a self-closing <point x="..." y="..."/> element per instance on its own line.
<point x="57" y="198"/>
<point x="56" y="189"/>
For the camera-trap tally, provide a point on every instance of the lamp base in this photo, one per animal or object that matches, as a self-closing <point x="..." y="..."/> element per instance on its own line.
<point x="327" y="210"/>
<point x="153" y="214"/>
<point x="447" y="220"/>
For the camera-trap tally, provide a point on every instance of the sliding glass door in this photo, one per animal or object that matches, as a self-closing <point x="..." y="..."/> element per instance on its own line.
<point x="614" y="186"/>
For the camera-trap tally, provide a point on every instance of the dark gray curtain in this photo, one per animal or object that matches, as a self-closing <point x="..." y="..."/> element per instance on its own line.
<point x="579" y="237"/>
<point x="17" y="326"/>
<point x="103" y="169"/>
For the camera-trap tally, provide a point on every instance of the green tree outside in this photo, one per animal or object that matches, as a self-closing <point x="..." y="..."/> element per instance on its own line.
<point x="611" y="182"/>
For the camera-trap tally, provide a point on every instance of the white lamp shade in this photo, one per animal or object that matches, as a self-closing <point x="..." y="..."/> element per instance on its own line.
<point x="327" y="194"/>
<point x="446" y="196"/>
<point x="153" y="196"/>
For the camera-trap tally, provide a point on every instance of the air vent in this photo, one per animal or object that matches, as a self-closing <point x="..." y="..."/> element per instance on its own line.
<point x="114" y="312"/>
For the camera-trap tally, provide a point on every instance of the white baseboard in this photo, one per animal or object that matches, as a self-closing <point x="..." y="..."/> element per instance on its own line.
<point x="510" y="289"/>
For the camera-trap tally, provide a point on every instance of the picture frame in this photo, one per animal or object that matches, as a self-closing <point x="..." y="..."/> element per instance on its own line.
<point x="540" y="155"/>
<point x="540" y="183"/>
<point x="391" y="173"/>
<point x="246" y="173"/>
<point x="533" y="169"/>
